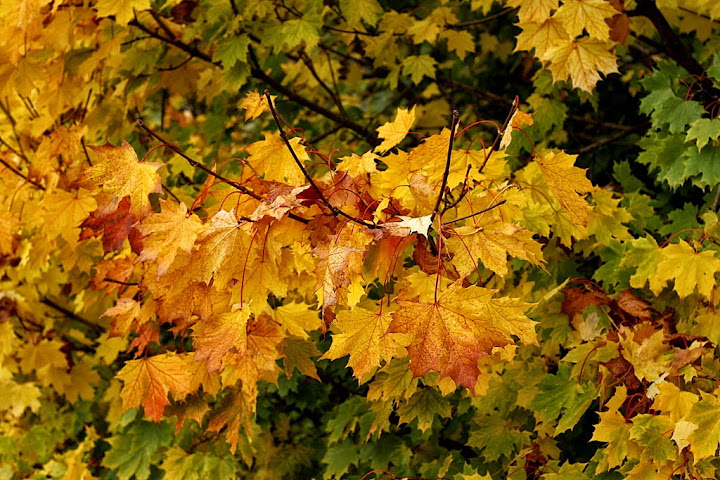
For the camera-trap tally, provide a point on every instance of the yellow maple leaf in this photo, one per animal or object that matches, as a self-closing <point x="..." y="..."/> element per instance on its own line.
<point x="357" y="165"/>
<point x="589" y="15"/>
<point x="688" y="268"/>
<point x="9" y="232"/>
<point x="63" y="212"/>
<point x="540" y="36"/>
<point x="451" y="334"/>
<point x="492" y="242"/>
<point x="518" y="120"/>
<point x="166" y="232"/>
<point x="119" y="174"/>
<point x="393" y="132"/>
<point x="148" y="381"/>
<point x="255" y="105"/>
<point x="580" y="60"/>
<point x="271" y="158"/>
<point x="222" y="248"/>
<point x="363" y="334"/>
<point x="567" y="183"/>
<point x="122" y="10"/>
<point x="533" y="10"/>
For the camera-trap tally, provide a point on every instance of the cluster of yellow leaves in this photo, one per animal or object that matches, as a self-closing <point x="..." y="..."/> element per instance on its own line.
<point x="572" y="37"/>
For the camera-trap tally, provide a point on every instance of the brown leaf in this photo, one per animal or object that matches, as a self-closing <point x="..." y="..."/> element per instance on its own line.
<point x="114" y="227"/>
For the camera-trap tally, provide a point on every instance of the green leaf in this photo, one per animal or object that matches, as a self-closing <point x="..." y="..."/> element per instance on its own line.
<point x="714" y="71"/>
<point x="424" y="405"/>
<point x="357" y="11"/>
<point x="560" y="393"/>
<point x="653" y="432"/>
<point x="419" y="66"/>
<point x="495" y="438"/>
<point x="704" y="130"/>
<point x="133" y="451"/>
<point x="702" y="167"/>
<point x="681" y="219"/>
<point x="339" y="458"/>
<point x="231" y="50"/>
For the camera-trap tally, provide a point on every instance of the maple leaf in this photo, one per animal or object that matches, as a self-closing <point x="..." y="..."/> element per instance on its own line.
<point x="122" y="10"/>
<point x="217" y="336"/>
<point x="706" y="415"/>
<point x="222" y="247"/>
<point x="534" y="10"/>
<point x="580" y="60"/>
<point x="363" y="334"/>
<point x="115" y="227"/>
<point x="492" y="241"/>
<point x="166" y="232"/>
<point x="589" y="15"/>
<point x="393" y="132"/>
<point x="272" y="158"/>
<point x="119" y="174"/>
<point x="540" y="36"/>
<point x="409" y="225"/>
<point x="517" y="121"/>
<point x="148" y="381"/>
<point x="464" y="324"/>
<point x="255" y="105"/>
<point x="688" y="268"/>
<point x="568" y="183"/>
<point x="64" y="212"/>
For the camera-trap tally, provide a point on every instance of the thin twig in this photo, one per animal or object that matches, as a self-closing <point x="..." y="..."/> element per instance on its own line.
<point x="120" y="282"/>
<point x="441" y="194"/>
<point x="73" y="316"/>
<point x="335" y="210"/>
<point x="612" y="138"/>
<point x="202" y="167"/>
<point x="483" y="20"/>
<point x="20" y="174"/>
<point x="496" y="144"/>
<point x="494" y="205"/>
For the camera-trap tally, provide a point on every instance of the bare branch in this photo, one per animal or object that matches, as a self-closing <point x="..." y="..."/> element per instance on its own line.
<point x="441" y="194"/>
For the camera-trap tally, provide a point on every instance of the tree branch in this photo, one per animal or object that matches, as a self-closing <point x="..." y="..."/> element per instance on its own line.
<point x="310" y="180"/>
<point x="446" y="173"/>
<point x="260" y="75"/>
<point x="196" y="164"/>
<point x="98" y="329"/>
<point x="612" y="138"/>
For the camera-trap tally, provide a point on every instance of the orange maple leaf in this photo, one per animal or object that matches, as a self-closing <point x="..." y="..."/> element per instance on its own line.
<point x="450" y="335"/>
<point x="148" y="381"/>
<point x="166" y="232"/>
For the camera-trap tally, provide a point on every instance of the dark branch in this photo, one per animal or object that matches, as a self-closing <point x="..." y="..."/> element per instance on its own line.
<point x="446" y="173"/>
<point x="99" y="329"/>
<point x="310" y="180"/>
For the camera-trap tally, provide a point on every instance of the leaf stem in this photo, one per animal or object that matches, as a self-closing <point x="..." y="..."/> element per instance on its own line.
<point x="495" y="205"/>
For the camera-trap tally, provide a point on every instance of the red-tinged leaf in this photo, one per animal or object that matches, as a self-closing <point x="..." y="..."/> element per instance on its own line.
<point x="464" y="324"/>
<point x="115" y="227"/>
<point x="148" y="381"/>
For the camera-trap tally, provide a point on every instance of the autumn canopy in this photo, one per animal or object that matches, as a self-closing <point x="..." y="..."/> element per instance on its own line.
<point x="359" y="239"/>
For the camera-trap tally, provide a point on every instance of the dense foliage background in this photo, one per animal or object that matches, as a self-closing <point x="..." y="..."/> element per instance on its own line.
<point x="128" y="345"/>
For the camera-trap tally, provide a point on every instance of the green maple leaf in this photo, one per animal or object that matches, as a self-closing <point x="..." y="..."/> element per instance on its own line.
<point x="339" y="458"/>
<point x="702" y="167"/>
<point x="653" y="432"/>
<point x="714" y="71"/>
<point x="703" y="130"/>
<point x="495" y="439"/>
<point x="560" y="393"/>
<point x="231" y="50"/>
<point x="679" y="113"/>
<point x="663" y="154"/>
<point x="419" y="66"/>
<point x="134" y="450"/>
<point x="643" y="254"/>
<point x="357" y="11"/>
<point x="424" y="405"/>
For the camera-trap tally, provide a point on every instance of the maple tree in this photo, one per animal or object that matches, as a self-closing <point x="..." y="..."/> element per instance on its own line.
<point x="359" y="239"/>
